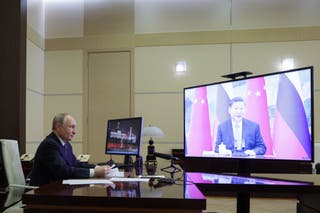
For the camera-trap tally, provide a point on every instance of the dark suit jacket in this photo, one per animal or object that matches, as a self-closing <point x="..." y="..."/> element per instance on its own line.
<point x="54" y="162"/>
<point x="250" y="133"/>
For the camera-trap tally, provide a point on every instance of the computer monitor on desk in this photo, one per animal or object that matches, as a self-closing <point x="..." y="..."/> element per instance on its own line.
<point x="124" y="138"/>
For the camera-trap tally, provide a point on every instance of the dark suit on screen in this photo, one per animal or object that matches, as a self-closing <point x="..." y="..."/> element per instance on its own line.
<point x="250" y="134"/>
<point x="53" y="161"/>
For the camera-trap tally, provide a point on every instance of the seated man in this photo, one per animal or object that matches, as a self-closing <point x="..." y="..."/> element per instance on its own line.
<point x="54" y="159"/>
<point x="238" y="135"/>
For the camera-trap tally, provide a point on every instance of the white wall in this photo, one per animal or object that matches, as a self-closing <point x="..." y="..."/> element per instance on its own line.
<point x="35" y="75"/>
<point x="35" y="96"/>
<point x="64" y="89"/>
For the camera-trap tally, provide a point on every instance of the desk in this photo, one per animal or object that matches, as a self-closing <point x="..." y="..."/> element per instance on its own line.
<point x="125" y="197"/>
<point x="184" y="196"/>
<point x="304" y="187"/>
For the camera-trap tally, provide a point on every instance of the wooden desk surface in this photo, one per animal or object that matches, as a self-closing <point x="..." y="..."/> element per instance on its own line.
<point x="125" y="197"/>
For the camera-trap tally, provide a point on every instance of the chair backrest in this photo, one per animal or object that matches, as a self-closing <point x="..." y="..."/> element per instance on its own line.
<point x="12" y="163"/>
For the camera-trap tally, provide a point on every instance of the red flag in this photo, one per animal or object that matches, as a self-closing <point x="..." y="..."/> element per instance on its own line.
<point x="257" y="110"/>
<point x="199" y="136"/>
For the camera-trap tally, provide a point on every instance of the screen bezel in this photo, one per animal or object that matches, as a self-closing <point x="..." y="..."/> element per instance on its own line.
<point x="138" y="120"/>
<point x="188" y="157"/>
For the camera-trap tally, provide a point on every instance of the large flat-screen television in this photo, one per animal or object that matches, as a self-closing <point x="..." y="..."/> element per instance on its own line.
<point x="123" y="137"/>
<point x="266" y="118"/>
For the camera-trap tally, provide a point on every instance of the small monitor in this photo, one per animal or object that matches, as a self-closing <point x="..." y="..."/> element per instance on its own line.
<point x="124" y="137"/>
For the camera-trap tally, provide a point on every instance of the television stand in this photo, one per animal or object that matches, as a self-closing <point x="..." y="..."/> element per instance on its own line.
<point x="243" y="167"/>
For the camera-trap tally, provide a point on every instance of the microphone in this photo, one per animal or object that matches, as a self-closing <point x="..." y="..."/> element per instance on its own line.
<point x="165" y="156"/>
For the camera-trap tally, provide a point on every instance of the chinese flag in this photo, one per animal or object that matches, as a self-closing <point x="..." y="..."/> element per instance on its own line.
<point x="199" y="137"/>
<point x="257" y="109"/>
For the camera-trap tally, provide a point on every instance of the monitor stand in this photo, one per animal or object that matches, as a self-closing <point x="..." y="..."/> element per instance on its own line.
<point x="128" y="160"/>
<point x="126" y="163"/>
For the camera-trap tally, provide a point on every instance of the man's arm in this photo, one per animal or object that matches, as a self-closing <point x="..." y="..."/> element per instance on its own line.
<point x="260" y="147"/>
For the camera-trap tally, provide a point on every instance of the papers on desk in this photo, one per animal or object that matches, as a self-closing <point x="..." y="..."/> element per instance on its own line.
<point x="117" y="179"/>
<point x="114" y="176"/>
<point x="114" y="172"/>
<point x="103" y="181"/>
<point x="87" y="181"/>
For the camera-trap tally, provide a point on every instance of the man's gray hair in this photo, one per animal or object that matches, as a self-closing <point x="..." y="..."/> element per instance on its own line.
<point x="59" y="119"/>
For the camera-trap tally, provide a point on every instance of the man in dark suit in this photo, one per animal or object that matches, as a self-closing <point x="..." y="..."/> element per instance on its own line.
<point x="239" y="135"/>
<point x="54" y="159"/>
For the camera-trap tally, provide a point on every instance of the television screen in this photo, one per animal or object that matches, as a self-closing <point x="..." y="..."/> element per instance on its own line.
<point x="124" y="136"/>
<point x="262" y="117"/>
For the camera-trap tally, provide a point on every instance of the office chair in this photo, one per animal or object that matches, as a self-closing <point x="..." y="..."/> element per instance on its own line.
<point x="14" y="173"/>
<point x="13" y="202"/>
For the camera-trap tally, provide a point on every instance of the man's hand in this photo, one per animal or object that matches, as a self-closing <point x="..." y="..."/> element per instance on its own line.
<point x="250" y="153"/>
<point x="101" y="171"/>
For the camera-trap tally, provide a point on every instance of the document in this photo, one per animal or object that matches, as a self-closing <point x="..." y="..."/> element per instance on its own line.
<point x="114" y="172"/>
<point x="87" y="181"/>
<point x="120" y="179"/>
<point x="103" y="181"/>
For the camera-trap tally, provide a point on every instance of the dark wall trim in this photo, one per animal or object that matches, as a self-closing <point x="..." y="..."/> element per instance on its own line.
<point x="13" y="19"/>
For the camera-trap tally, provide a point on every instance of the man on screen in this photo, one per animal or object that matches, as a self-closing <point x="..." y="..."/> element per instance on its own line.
<point x="238" y="135"/>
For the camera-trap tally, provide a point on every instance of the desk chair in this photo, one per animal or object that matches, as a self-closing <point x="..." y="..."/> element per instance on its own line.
<point x="14" y="173"/>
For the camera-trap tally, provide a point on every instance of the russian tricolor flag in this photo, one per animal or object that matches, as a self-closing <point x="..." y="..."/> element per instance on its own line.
<point x="291" y="135"/>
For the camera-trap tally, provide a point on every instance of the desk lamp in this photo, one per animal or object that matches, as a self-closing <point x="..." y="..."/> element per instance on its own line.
<point x="152" y="131"/>
<point x="151" y="161"/>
